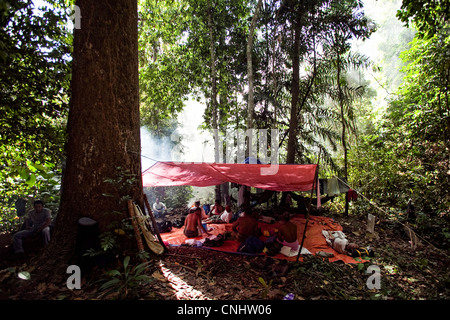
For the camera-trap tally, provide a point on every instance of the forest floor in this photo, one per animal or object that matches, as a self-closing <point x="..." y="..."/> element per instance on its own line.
<point x="195" y="273"/>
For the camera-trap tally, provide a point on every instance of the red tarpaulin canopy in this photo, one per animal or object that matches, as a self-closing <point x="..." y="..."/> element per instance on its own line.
<point x="282" y="177"/>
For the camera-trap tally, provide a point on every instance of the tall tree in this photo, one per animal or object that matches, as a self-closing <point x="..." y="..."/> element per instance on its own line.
<point x="251" y="102"/>
<point x="103" y="126"/>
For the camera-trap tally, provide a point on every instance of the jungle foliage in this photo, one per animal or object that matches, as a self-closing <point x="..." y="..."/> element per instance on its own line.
<point x="34" y="89"/>
<point x="309" y="83"/>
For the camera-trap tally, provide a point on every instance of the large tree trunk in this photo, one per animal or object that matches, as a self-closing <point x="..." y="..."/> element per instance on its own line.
<point x="103" y="148"/>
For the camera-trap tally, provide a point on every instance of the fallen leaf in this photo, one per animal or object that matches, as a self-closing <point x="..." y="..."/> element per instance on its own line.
<point x="158" y="276"/>
<point x="42" y="286"/>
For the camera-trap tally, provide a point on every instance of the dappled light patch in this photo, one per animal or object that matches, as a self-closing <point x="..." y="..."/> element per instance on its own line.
<point x="182" y="290"/>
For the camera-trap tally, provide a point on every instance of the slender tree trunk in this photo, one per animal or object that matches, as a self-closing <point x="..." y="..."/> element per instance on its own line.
<point x="224" y="188"/>
<point x="275" y="85"/>
<point x="295" y="92"/>
<point x="251" y="32"/>
<point x="103" y="126"/>
<point x="214" y="93"/>
<point x="343" y="135"/>
<point x="251" y="99"/>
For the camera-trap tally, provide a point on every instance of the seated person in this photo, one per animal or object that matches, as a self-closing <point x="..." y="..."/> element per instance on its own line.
<point x="203" y="213"/>
<point x="246" y="226"/>
<point x="38" y="221"/>
<point x="217" y="209"/>
<point x="159" y="209"/>
<point x="287" y="232"/>
<point x="225" y="217"/>
<point x="193" y="223"/>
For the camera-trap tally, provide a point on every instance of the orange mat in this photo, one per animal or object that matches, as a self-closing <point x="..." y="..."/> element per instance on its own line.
<point x="314" y="240"/>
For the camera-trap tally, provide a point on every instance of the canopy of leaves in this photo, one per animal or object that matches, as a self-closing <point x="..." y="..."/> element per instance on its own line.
<point x="34" y="89"/>
<point x="427" y="16"/>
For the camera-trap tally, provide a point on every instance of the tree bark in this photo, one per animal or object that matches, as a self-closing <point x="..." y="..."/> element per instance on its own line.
<point x="251" y="99"/>
<point x="251" y="32"/>
<point x="295" y="93"/>
<point x="215" y="119"/>
<point x="343" y="134"/>
<point x="103" y="125"/>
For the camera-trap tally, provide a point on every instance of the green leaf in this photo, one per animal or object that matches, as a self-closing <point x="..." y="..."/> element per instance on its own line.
<point x="126" y="261"/>
<point x="24" y="173"/>
<point x="31" y="181"/>
<point x="109" y="284"/>
<point x="113" y="273"/>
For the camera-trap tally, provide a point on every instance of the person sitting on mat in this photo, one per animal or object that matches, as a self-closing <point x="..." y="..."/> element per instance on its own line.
<point x="225" y="217"/>
<point x="246" y="226"/>
<point x="287" y="232"/>
<point x="203" y="213"/>
<point x="217" y="209"/>
<point x="193" y="223"/>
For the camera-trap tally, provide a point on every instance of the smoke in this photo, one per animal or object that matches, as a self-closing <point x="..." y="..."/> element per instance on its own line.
<point x="154" y="149"/>
<point x="196" y="145"/>
<point x="383" y="48"/>
<point x="192" y="145"/>
<point x="187" y="144"/>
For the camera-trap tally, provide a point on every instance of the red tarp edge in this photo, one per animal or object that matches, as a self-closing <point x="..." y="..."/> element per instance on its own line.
<point x="279" y="177"/>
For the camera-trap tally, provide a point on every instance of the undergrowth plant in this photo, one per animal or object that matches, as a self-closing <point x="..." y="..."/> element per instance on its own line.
<point x="265" y="287"/>
<point x="126" y="282"/>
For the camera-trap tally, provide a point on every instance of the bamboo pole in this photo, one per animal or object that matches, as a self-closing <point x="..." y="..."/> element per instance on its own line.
<point x="140" y="244"/>
<point x="154" y="224"/>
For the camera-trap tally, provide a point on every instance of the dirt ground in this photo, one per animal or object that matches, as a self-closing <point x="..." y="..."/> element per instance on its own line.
<point x="200" y="274"/>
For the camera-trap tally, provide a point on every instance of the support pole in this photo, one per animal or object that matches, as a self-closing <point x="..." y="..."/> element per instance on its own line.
<point x="316" y="180"/>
